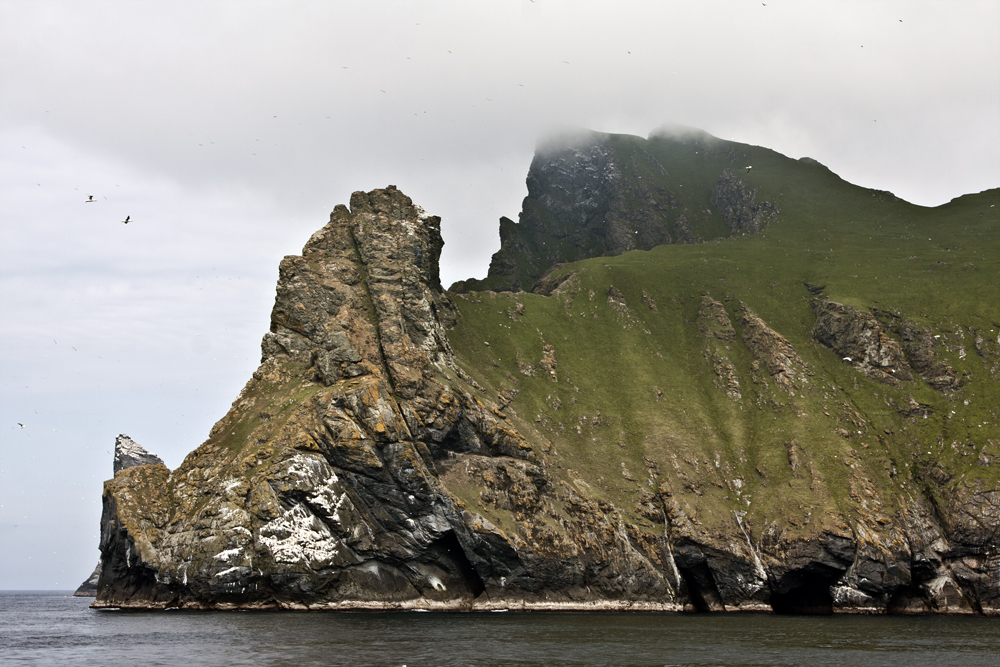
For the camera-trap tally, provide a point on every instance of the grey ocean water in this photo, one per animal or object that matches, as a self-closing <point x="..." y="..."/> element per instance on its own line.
<point x="56" y="629"/>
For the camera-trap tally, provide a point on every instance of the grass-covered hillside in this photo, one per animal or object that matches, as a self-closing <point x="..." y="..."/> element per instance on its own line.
<point x="638" y="395"/>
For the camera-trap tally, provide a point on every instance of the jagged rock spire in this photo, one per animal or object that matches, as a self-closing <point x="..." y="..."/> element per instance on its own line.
<point x="130" y="453"/>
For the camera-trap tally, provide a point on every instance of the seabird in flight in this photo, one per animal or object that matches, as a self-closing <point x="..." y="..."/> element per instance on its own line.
<point x="90" y="199"/>
<point x="127" y="218"/>
<point x="749" y="167"/>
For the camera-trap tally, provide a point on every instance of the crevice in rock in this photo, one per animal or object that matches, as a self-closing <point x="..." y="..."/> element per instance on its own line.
<point x="461" y="439"/>
<point x="372" y="311"/>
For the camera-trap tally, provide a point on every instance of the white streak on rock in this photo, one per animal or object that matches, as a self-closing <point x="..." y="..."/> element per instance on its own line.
<point x="299" y="537"/>
<point x="227" y="554"/>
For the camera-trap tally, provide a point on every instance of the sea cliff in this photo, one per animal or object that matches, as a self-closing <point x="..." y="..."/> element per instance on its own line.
<point x="700" y="426"/>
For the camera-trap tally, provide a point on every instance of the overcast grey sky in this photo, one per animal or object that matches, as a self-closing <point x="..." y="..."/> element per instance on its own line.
<point x="229" y="130"/>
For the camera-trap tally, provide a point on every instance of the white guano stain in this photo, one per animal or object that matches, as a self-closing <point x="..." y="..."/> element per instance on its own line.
<point x="227" y="554"/>
<point x="299" y="537"/>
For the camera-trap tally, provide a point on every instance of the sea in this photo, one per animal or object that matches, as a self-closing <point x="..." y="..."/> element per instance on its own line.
<point x="54" y="628"/>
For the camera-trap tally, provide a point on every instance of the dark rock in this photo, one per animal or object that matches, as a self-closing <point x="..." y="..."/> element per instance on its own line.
<point x="88" y="589"/>
<point x="128" y="454"/>
<point x="597" y="195"/>
<point x="738" y="206"/>
<point x="918" y="344"/>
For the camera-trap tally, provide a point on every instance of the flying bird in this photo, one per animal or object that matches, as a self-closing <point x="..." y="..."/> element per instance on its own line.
<point x="749" y="167"/>
<point x="127" y="218"/>
<point x="90" y="199"/>
<point x="20" y="424"/>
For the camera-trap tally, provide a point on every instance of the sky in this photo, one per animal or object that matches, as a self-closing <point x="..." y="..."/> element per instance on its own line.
<point x="227" y="132"/>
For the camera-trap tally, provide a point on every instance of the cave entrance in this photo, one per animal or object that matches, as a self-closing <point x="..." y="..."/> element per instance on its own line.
<point x="702" y="591"/>
<point x="805" y="592"/>
<point x="451" y="556"/>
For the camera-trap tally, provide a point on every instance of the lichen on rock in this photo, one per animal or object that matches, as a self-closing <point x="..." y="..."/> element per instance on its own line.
<point x="323" y="487"/>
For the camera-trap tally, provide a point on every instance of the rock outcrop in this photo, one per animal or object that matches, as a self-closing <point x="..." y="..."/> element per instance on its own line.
<point x="88" y="589"/>
<point x="128" y="454"/>
<point x="861" y="340"/>
<point x="737" y="204"/>
<point x="597" y="194"/>
<point x="858" y="338"/>
<point x="332" y="481"/>
<point x="773" y="351"/>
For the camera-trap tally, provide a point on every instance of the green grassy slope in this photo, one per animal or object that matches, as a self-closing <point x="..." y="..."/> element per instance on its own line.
<point x="636" y="389"/>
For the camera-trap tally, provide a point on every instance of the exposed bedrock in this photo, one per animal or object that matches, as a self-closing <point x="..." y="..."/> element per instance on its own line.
<point x="88" y="589"/>
<point x="357" y="467"/>
<point x="595" y="194"/>
<point x="737" y="204"/>
<point x="323" y="485"/>
<point x="861" y="340"/>
<point x="128" y="454"/>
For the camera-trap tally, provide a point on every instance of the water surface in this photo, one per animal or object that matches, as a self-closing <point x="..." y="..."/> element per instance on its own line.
<point x="58" y="629"/>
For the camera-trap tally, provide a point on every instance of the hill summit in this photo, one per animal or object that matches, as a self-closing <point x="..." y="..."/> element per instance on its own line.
<point x="592" y="194"/>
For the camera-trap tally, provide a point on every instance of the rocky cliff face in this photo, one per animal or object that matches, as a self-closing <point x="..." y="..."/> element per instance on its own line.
<point x="327" y="483"/>
<point x="88" y="589"/>
<point x="128" y="454"/>
<point x="363" y="467"/>
<point x="599" y="195"/>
